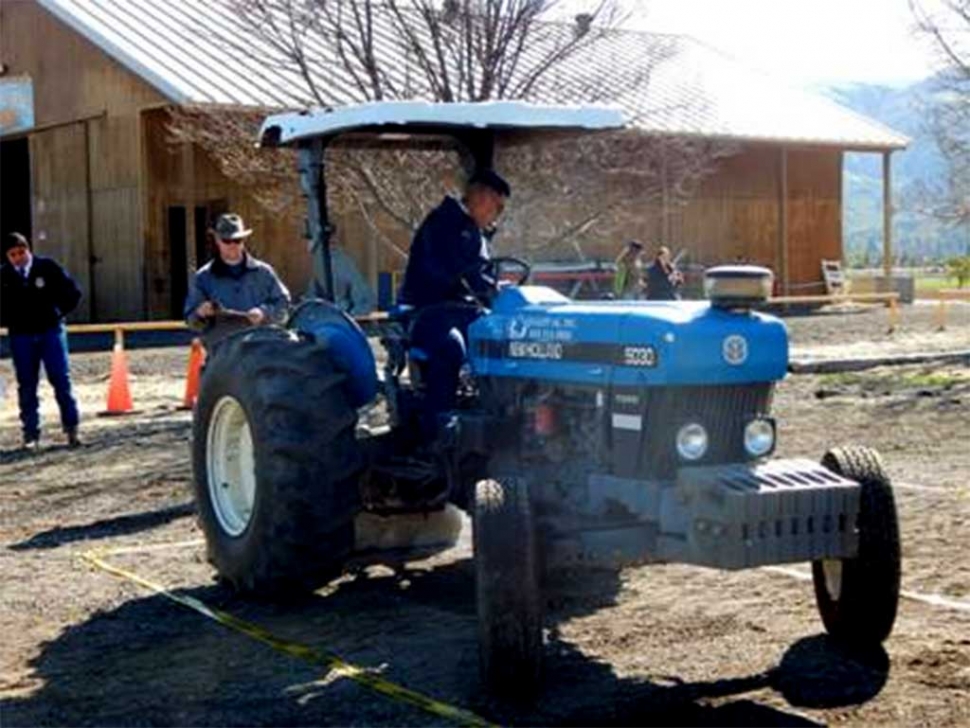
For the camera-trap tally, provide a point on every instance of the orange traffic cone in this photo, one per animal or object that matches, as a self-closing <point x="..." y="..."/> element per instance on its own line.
<point x="119" y="396"/>
<point x="196" y="360"/>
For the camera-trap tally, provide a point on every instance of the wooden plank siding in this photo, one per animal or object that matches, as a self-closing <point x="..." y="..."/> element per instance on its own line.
<point x="60" y="204"/>
<point x="81" y="178"/>
<point x="734" y="214"/>
<point x="814" y="214"/>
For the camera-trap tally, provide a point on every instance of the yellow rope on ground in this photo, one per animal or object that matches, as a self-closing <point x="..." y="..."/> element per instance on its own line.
<point x="312" y="655"/>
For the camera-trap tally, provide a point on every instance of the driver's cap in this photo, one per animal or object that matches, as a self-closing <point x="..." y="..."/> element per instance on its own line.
<point x="491" y="179"/>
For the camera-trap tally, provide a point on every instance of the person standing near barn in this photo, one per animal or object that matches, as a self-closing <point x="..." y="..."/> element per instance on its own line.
<point x="663" y="278"/>
<point x="628" y="282"/>
<point x="36" y="293"/>
<point x="235" y="289"/>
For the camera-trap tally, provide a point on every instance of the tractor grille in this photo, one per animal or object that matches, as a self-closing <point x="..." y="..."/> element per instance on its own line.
<point x="722" y="410"/>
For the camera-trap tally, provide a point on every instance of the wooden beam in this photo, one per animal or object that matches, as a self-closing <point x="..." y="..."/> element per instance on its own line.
<point x="664" y="205"/>
<point x="783" y="272"/>
<point x="144" y="200"/>
<point x="887" y="216"/>
<point x="89" y="203"/>
<point x="946" y="294"/>
<point x="128" y="326"/>
<point x="52" y="125"/>
<point x="838" y="298"/>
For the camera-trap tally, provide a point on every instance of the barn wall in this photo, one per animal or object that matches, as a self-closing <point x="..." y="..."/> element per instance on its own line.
<point x="85" y="167"/>
<point x="814" y="214"/>
<point x="734" y="215"/>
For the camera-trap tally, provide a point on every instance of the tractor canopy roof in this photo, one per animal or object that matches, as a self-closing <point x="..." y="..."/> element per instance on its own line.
<point x="404" y="119"/>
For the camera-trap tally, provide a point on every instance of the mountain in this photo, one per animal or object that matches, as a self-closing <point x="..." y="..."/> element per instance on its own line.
<point x="917" y="238"/>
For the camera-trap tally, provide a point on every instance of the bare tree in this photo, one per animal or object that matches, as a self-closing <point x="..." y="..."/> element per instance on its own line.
<point x="462" y="50"/>
<point x="227" y="134"/>
<point x="590" y="189"/>
<point x="445" y="50"/>
<point x="947" y="24"/>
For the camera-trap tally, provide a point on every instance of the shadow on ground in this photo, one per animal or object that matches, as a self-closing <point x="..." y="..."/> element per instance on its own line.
<point x="105" y="528"/>
<point x="151" y="662"/>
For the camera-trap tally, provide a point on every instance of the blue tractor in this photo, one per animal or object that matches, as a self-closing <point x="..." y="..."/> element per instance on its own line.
<point x="587" y="434"/>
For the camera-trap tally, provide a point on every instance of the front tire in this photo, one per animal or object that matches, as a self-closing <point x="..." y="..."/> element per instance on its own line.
<point x="275" y="461"/>
<point x="507" y="588"/>
<point x="857" y="598"/>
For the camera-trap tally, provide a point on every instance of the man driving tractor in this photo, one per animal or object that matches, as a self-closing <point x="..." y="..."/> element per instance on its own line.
<point x="445" y="268"/>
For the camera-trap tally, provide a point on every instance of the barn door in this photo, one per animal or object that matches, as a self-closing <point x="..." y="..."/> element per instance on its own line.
<point x="61" y="222"/>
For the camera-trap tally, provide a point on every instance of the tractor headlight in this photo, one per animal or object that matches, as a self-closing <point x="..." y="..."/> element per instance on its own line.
<point x="692" y="441"/>
<point x="759" y="437"/>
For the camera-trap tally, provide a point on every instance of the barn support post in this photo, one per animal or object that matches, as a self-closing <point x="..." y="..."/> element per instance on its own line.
<point x="783" y="256"/>
<point x="93" y="259"/>
<point x="664" y="203"/>
<point x="887" y="216"/>
<point x="192" y="197"/>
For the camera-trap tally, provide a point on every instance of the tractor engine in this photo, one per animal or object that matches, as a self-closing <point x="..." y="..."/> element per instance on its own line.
<point x="633" y="390"/>
<point x="617" y="409"/>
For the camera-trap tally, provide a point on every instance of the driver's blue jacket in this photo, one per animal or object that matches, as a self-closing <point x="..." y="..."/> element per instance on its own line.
<point x="446" y="258"/>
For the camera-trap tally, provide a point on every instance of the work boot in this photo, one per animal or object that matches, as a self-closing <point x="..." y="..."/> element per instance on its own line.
<point x="72" y="438"/>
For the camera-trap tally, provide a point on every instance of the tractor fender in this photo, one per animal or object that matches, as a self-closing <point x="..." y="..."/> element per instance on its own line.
<point x="351" y="353"/>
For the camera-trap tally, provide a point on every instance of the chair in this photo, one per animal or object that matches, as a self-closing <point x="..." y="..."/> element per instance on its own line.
<point x="836" y="283"/>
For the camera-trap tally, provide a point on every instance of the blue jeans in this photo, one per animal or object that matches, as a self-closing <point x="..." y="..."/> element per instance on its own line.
<point x="28" y="351"/>
<point x="441" y="332"/>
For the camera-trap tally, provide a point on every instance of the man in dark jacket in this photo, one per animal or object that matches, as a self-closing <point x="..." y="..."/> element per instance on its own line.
<point x="445" y="269"/>
<point x="37" y="294"/>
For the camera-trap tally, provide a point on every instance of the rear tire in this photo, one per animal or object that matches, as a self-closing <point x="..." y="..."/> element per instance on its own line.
<point x="507" y="589"/>
<point x="857" y="598"/>
<point x="274" y="425"/>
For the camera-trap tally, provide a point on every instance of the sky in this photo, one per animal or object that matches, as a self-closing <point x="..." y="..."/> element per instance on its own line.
<point x="805" y="42"/>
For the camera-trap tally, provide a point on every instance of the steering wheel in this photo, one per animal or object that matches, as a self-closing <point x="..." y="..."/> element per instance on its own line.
<point x="493" y="267"/>
<point x="491" y="270"/>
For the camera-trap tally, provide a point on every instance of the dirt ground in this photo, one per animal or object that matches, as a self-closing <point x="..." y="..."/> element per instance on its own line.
<point x="660" y="645"/>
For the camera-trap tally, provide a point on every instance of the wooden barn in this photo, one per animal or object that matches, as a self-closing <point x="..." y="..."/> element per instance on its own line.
<point x="90" y="170"/>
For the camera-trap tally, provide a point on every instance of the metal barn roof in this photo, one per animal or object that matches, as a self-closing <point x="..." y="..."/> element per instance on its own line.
<point x="201" y="52"/>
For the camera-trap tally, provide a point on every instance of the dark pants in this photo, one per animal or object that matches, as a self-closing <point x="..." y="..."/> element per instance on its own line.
<point x="441" y="332"/>
<point x="28" y="351"/>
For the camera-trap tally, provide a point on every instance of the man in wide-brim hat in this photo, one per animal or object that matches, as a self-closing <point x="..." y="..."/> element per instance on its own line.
<point x="234" y="282"/>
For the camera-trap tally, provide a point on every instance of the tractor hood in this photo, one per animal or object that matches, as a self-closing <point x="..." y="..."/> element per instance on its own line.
<point x="536" y="333"/>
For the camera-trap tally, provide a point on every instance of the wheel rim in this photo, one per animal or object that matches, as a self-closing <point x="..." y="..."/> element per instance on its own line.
<point x="231" y="466"/>
<point x="832" y="570"/>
